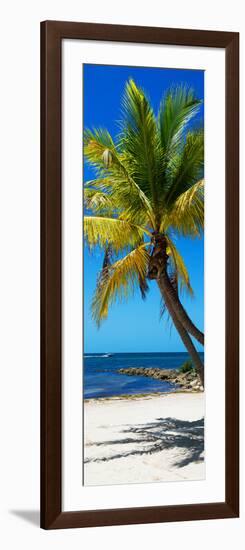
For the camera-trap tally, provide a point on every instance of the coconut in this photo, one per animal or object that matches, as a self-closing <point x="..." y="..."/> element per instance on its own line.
<point x="107" y="158"/>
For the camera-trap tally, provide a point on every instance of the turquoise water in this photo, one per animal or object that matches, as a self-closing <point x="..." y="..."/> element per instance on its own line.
<point x="101" y="377"/>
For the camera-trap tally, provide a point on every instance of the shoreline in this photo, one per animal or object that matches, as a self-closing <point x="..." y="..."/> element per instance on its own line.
<point x="174" y="380"/>
<point x="144" y="438"/>
<point x="133" y="396"/>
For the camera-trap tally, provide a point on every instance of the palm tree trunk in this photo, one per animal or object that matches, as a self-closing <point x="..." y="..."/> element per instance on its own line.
<point x="179" y="309"/>
<point x="158" y="269"/>
<point x="181" y="330"/>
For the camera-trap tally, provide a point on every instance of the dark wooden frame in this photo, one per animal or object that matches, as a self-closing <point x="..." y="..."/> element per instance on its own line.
<point x="52" y="33"/>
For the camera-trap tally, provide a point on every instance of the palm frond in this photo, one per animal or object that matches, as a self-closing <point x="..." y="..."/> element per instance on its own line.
<point x="143" y="286"/>
<point x="178" y="107"/>
<point x="94" y="145"/>
<point x="139" y="142"/>
<point x="119" y="282"/>
<point x="98" y="201"/>
<point x="136" y="206"/>
<point x="107" y="258"/>
<point x="186" y="216"/>
<point x="120" y="234"/>
<point x="116" y="179"/>
<point x="185" y="168"/>
<point x="179" y="267"/>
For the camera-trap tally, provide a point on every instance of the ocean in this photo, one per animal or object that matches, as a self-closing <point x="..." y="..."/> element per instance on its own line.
<point x="102" y="379"/>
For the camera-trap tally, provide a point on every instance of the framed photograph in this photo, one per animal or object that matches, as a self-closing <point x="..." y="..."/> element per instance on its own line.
<point x="139" y="259"/>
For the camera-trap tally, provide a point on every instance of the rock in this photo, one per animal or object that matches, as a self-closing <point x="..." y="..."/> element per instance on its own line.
<point x="185" y="381"/>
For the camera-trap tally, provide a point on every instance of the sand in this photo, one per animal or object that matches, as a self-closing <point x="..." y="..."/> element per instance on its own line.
<point x="144" y="439"/>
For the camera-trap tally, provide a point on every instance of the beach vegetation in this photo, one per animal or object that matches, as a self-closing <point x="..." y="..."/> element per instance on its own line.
<point x="186" y="367"/>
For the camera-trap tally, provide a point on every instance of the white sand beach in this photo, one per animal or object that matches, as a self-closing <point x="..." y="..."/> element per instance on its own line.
<point x="144" y="439"/>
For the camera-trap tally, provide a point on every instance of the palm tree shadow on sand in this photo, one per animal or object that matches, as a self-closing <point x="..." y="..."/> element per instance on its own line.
<point x="163" y="434"/>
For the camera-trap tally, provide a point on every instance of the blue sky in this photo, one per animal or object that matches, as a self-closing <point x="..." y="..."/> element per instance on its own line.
<point x="135" y="325"/>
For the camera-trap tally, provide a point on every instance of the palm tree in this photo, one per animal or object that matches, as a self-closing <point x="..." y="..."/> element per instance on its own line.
<point x="148" y="188"/>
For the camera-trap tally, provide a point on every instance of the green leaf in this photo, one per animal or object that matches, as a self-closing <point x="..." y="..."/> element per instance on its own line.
<point x="179" y="266"/>
<point x="119" y="281"/>
<point x="139" y="141"/>
<point x="120" y="234"/>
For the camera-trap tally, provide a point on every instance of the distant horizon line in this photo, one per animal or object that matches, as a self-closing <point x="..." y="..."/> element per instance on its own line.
<point x="114" y="352"/>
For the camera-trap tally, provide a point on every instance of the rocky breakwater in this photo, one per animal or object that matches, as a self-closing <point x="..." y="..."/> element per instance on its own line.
<point x="184" y="381"/>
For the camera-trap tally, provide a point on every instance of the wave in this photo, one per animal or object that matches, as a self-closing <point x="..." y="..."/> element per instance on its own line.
<point x="104" y="355"/>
